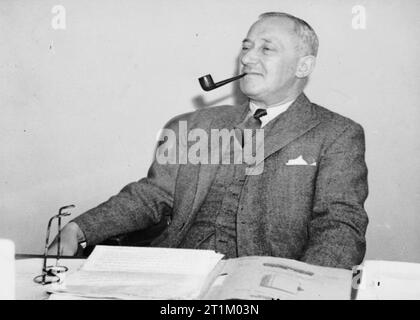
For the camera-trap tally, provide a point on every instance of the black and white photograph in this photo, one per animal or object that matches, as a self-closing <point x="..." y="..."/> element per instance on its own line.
<point x="209" y="150"/>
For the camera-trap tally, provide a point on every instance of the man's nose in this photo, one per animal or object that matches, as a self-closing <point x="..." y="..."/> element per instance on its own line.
<point x="249" y="56"/>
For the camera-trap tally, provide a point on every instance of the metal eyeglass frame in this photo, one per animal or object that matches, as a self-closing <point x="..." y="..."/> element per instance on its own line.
<point x="50" y="273"/>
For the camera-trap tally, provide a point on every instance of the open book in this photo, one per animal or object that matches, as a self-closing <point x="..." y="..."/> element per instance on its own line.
<point x="161" y="273"/>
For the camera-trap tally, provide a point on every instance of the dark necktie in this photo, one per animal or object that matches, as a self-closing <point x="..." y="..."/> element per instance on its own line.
<point x="258" y="114"/>
<point x="252" y="123"/>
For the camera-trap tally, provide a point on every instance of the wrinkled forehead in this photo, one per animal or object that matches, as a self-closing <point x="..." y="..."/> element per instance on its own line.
<point x="280" y="28"/>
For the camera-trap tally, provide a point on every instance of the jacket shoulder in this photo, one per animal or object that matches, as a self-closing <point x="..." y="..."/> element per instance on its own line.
<point x="335" y="121"/>
<point x="195" y="118"/>
<point x="224" y="111"/>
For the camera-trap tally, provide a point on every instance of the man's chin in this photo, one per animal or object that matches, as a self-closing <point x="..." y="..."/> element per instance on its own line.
<point x="249" y="92"/>
<point x="250" y="86"/>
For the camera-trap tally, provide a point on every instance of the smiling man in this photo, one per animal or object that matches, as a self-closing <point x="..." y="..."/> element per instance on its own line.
<point x="278" y="55"/>
<point x="308" y="202"/>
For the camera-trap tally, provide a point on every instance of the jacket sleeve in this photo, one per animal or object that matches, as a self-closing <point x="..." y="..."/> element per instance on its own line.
<point x="338" y="223"/>
<point x="139" y="204"/>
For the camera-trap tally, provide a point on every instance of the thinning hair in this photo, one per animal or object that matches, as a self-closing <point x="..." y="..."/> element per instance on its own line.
<point x="308" y="40"/>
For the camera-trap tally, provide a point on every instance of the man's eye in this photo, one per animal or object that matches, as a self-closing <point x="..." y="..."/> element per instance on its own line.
<point x="267" y="49"/>
<point x="244" y="48"/>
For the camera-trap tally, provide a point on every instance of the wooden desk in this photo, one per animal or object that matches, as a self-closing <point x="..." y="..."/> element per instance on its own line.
<point x="28" y="266"/>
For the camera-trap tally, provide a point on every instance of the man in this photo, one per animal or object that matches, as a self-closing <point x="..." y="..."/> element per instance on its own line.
<point x="306" y="204"/>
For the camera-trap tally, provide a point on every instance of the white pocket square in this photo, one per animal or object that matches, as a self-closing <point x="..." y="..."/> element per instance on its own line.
<point x="299" y="161"/>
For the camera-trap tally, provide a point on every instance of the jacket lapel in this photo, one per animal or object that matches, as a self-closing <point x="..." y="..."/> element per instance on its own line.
<point x="298" y="119"/>
<point x="207" y="172"/>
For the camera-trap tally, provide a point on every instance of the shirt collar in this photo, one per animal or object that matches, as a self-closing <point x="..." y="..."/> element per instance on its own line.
<point x="272" y="111"/>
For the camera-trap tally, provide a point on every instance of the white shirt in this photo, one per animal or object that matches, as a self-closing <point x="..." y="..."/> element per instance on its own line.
<point x="272" y="111"/>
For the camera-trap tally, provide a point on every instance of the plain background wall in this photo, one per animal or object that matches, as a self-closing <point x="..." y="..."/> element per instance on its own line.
<point x="81" y="107"/>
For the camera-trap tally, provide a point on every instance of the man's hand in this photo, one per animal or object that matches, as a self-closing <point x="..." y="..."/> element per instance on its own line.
<point x="71" y="236"/>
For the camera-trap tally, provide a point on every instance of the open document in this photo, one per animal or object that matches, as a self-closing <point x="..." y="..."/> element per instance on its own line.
<point x="270" y="278"/>
<point x="140" y="273"/>
<point x="160" y="273"/>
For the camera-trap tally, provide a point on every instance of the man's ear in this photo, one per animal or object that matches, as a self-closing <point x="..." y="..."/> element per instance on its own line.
<point x="305" y="66"/>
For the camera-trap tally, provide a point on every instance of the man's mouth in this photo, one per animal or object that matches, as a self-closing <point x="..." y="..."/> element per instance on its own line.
<point x="250" y="73"/>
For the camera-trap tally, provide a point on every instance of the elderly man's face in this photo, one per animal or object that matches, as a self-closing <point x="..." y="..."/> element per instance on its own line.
<point x="270" y="57"/>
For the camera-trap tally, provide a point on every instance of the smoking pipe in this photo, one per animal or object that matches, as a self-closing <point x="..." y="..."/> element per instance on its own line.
<point x="208" y="84"/>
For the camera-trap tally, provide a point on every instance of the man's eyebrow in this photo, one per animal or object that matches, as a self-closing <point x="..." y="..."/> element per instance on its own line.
<point x="263" y="39"/>
<point x="267" y="40"/>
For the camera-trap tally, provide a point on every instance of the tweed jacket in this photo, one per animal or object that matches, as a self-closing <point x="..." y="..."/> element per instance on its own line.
<point x="307" y="204"/>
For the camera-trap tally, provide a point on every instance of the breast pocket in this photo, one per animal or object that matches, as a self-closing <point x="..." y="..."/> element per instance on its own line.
<point x="298" y="175"/>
